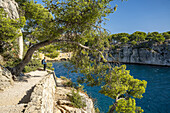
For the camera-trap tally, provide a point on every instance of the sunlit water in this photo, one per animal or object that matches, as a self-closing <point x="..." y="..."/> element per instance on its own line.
<point x="155" y="100"/>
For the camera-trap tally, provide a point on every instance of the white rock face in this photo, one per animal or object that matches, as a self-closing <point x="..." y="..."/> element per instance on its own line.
<point x="11" y="7"/>
<point x="155" y="54"/>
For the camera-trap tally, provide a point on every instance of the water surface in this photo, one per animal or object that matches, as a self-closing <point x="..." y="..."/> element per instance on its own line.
<point x="156" y="98"/>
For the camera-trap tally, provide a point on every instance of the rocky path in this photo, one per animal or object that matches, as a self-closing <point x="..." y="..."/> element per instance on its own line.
<point x="17" y="95"/>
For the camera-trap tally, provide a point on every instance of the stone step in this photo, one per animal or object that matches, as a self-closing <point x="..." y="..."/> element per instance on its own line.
<point x="19" y="108"/>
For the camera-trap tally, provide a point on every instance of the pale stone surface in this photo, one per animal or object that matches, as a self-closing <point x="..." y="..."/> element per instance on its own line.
<point x="42" y="98"/>
<point x="1" y="60"/>
<point x="45" y="96"/>
<point x="15" y="93"/>
<point x="12" y="108"/>
<point x="11" y="7"/>
<point x="155" y="54"/>
<point x="5" y="79"/>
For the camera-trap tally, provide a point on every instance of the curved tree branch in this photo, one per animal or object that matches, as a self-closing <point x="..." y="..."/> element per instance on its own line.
<point x="18" y="68"/>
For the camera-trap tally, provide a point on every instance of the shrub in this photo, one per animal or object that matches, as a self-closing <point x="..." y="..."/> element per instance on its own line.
<point x="158" y="38"/>
<point x="76" y="100"/>
<point x="63" y="78"/>
<point x="32" y="65"/>
<point x="133" y="42"/>
<point x="166" y="35"/>
<point x="97" y="110"/>
<point x="124" y="40"/>
<point x="138" y="36"/>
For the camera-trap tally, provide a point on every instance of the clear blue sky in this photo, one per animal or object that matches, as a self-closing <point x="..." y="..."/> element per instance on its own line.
<point x="139" y="15"/>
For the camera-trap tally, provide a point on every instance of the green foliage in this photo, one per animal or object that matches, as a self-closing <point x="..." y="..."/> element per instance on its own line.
<point x="52" y="55"/>
<point x="155" y="36"/>
<point x="151" y="35"/>
<point x="117" y="37"/>
<point x="9" y="28"/>
<point x="138" y="36"/>
<point x="67" y="82"/>
<point x="76" y="100"/>
<point x="128" y="106"/>
<point x="10" y="53"/>
<point x="50" y="51"/>
<point x="124" y="40"/>
<point x="32" y="65"/>
<point x="120" y="85"/>
<point x="10" y="59"/>
<point x="63" y="78"/>
<point x="158" y="38"/>
<point x="97" y="110"/>
<point x="166" y="35"/>
<point x="38" y="23"/>
<point x="133" y="42"/>
<point x="120" y="82"/>
<point x="20" y="2"/>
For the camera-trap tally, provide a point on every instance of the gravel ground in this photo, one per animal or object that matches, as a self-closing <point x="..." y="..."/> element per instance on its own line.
<point x="19" y="92"/>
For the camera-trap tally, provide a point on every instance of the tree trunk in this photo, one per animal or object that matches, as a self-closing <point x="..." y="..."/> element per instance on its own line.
<point x="18" y="68"/>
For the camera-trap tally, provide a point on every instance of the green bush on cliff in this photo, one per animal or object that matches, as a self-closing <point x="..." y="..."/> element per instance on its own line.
<point x="133" y="42"/>
<point x="76" y="99"/>
<point x="124" y="40"/>
<point x="166" y="35"/>
<point x="138" y="36"/>
<point x="158" y="38"/>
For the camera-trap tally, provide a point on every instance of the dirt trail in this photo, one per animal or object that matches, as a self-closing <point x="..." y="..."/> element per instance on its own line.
<point x="20" y="92"/>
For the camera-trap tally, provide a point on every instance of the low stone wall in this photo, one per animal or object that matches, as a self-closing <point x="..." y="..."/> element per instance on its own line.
<point x="47" y="98"/>
<point x="42" y="97"/>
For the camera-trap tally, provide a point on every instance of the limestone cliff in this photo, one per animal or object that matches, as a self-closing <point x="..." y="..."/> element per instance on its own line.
<point x="11" y="7"/>
<point x="154" y="54"/>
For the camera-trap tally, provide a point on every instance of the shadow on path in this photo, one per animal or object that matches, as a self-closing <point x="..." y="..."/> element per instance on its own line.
<point x="26" y="98"/>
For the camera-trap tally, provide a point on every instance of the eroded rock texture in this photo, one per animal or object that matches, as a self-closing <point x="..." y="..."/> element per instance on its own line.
<point x="155" y="54"/>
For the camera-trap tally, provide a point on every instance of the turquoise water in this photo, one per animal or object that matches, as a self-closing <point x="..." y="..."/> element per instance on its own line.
<point x="155" y="100"/>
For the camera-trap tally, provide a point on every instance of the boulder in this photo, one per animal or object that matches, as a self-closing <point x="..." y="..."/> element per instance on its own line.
<point x="5" y="78"/>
